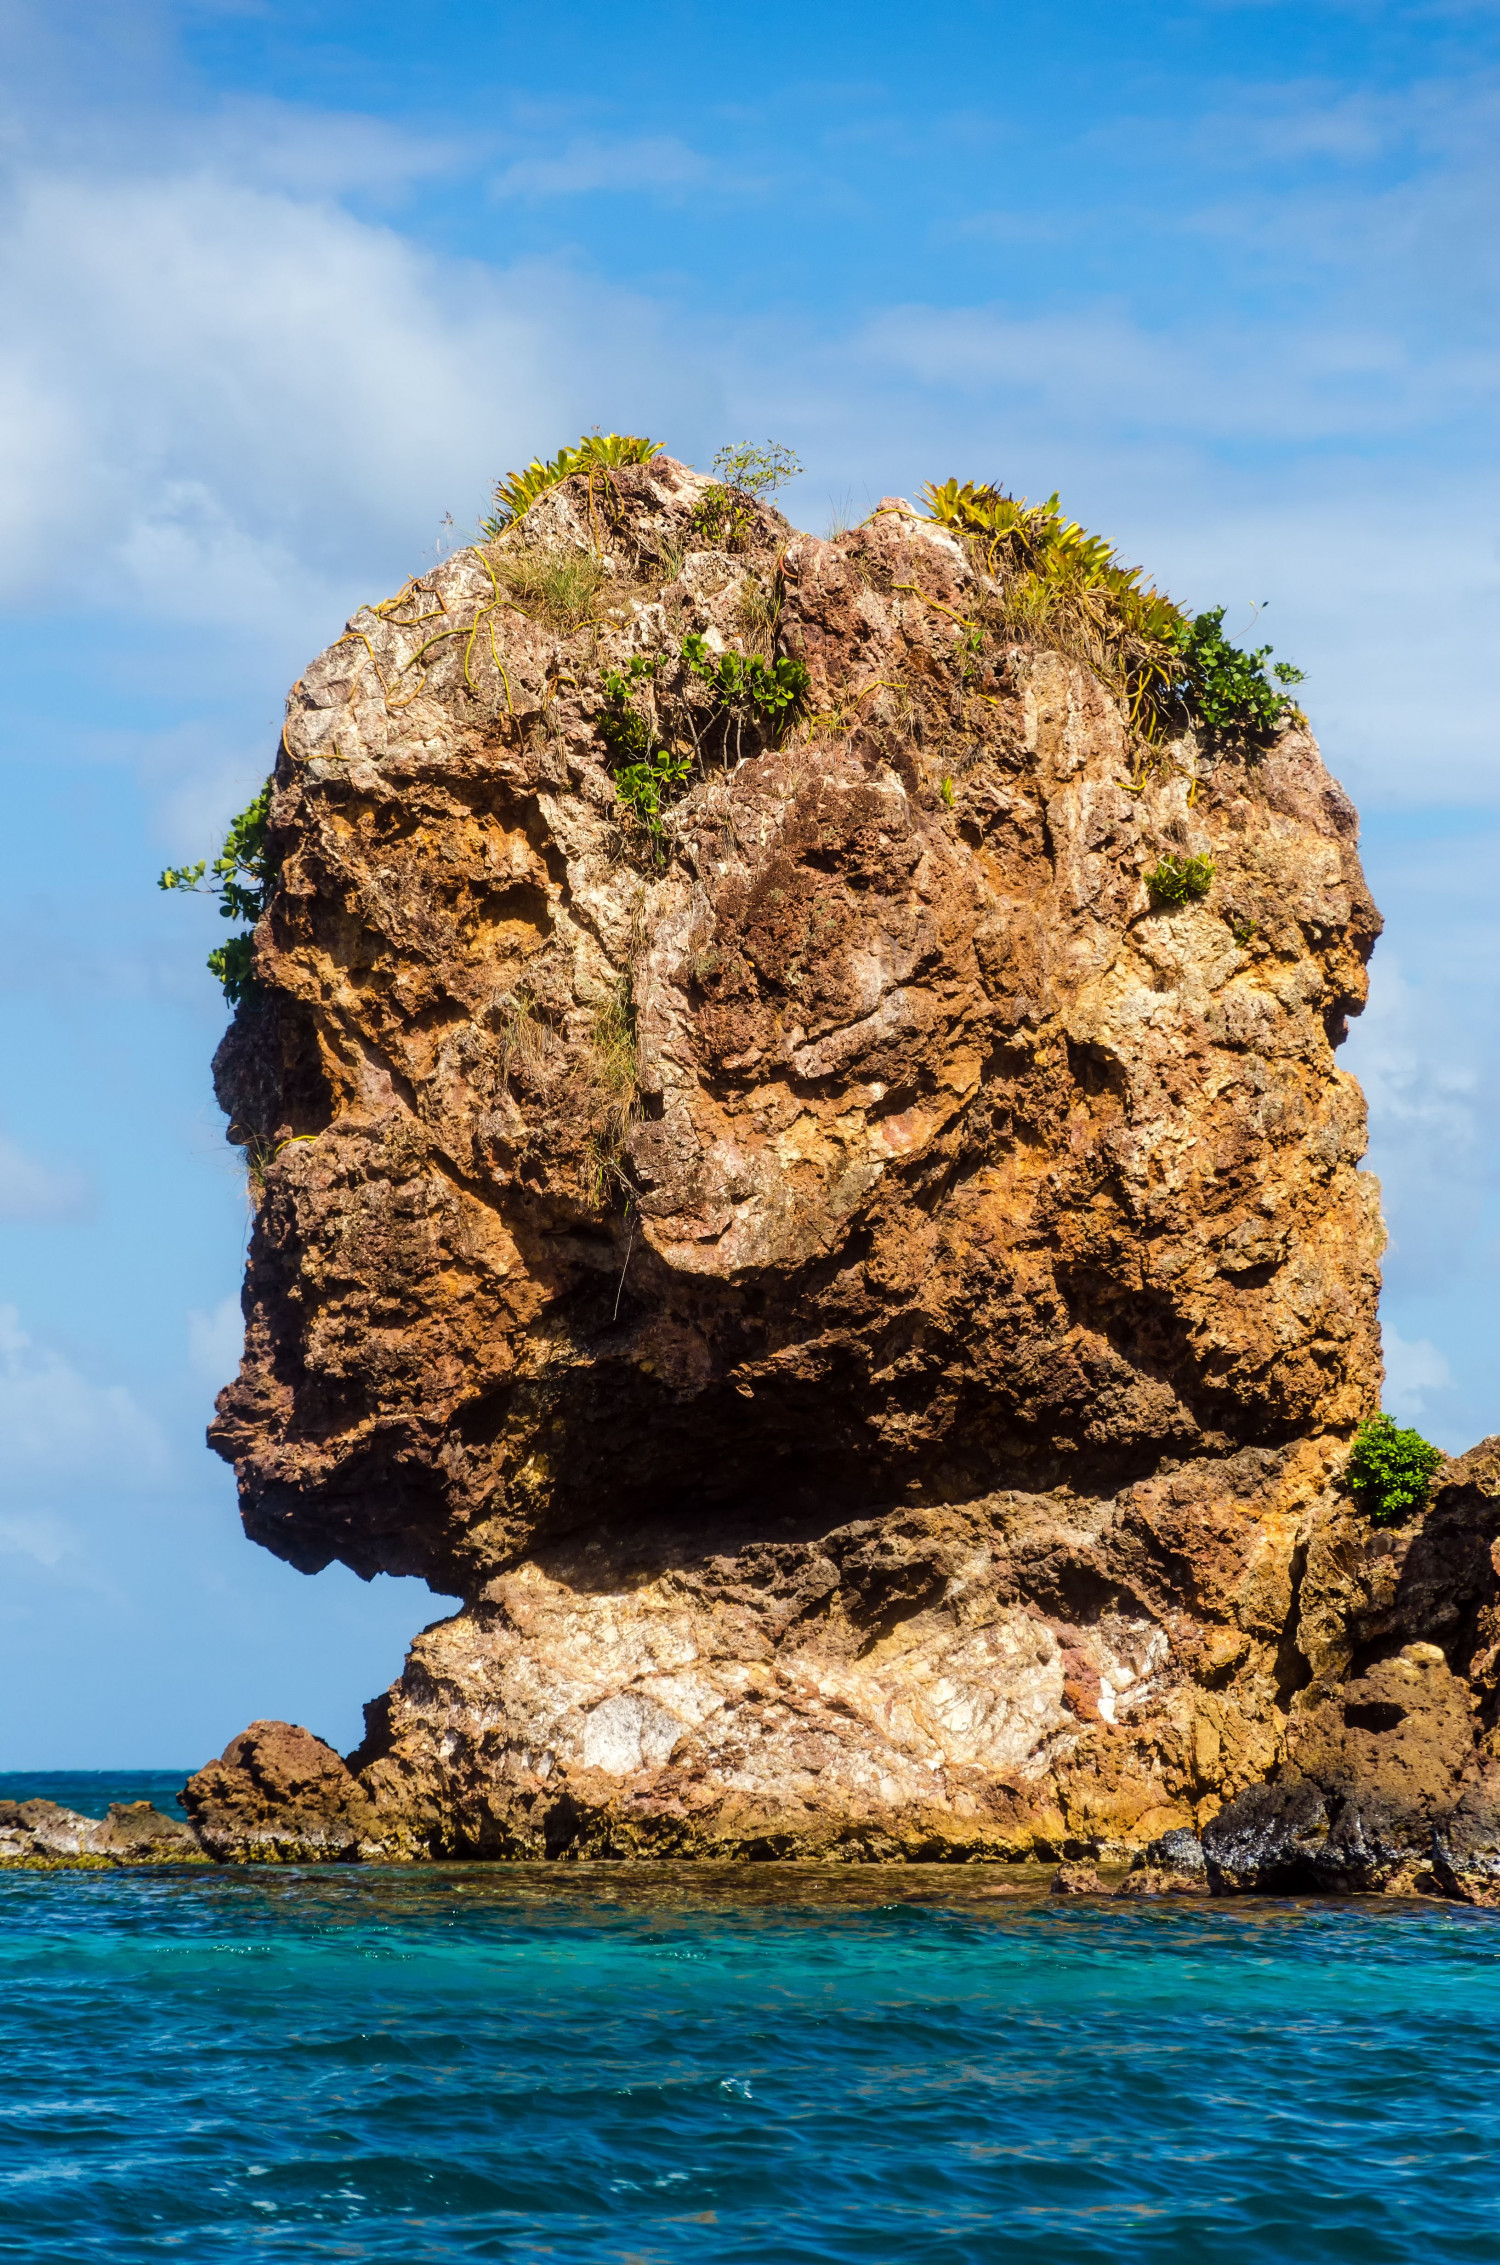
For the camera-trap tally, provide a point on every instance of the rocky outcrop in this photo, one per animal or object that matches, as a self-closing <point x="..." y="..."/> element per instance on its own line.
<point x="1388" y="1779"/>
<point x="278" y="1795"/>
<point x="41" y="1834"/>
<point x="864" y="1303"/>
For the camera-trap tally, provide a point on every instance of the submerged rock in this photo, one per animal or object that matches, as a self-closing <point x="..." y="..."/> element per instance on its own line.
<point x="1152" y="1880"/>
<point x="863" y="1302"/>
<point x="1076" y="1879"/>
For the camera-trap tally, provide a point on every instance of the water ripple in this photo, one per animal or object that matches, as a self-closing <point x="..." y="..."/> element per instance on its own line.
<point x="645" y="2066"/>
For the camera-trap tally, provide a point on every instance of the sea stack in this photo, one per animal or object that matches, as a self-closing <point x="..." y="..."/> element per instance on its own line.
<point x="863" y="1292"/>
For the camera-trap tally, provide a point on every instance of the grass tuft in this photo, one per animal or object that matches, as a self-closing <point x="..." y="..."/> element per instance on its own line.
<point x="560" y="588"/>
<point x="1177" y="880"/>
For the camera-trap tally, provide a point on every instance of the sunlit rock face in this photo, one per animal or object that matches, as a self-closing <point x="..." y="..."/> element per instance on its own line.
<point x="864" y="1303"/>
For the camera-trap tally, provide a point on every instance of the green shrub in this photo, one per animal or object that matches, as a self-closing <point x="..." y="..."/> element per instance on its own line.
<point x="758" y="471"/>
<point x="1390" y="1470"/>
<point x="725" y="516"/>
<point x="647" y="787"/>
<point x="647" y="776"/>
<point x="243" y="873"/>
<point x="1174" y="880"/>
<point x="771" y="690"/>
<point x="1228" y="689"/>
<point x="627" y="734"/>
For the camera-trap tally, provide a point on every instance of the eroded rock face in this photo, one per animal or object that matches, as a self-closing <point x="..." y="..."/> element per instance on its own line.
<point x="946" y="1162"/>
<point x="865" y="1305"/>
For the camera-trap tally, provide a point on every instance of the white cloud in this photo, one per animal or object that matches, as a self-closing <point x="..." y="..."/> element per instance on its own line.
<point x="57" y="1427"/>
<point x="38" y="1535"/>
<point x="223" y="399"/>
<point x="215" y="1342"/>
<point x="1338" y="378"/>
<point x="33" y="1189"/>
<point x="1412" y="1371"/>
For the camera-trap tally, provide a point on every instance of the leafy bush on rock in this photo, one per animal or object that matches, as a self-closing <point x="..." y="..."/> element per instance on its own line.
<point x="1390" y="1469"/>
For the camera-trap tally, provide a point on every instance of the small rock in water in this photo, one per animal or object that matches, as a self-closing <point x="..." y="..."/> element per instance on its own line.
<point x="1076" y="1879"/>
<point x="1177" y="1851"/>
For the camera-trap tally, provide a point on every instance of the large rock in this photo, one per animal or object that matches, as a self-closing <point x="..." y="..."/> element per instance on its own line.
<point x="278" y="1795"/>
<point x="864" y="1305"/>
<point x="885" y="1141"/>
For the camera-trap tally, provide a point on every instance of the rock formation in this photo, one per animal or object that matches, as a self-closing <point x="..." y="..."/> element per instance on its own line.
<point x="40" y="1834"/>
<point x="864" y="1303"/>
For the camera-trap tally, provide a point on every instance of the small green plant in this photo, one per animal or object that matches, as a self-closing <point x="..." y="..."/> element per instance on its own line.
<point x="518" y="491"/>
<point x="627" y="733"/>
<point x="1390" y="1470"/>
<point x="946" y="791"/>
<point x="1231" y="690"/>
<point x="725" y="516"/>
<point x="771" y="690"/>
<point x="647" y="787"/>
<point x="758" y="471"/>
<point x="648" y="776"/>
<point x="243" y="873"/>
<point x="724" y="519"/>
<point x="1175" y="880"/>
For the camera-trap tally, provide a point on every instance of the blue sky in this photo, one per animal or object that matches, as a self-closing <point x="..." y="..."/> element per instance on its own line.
<point x="285" y="286"/>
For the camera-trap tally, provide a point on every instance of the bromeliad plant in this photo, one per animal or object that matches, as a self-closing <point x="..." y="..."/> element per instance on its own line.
<point x="518" y="491"/>
<point x="243" y="874"/>
<point x="1068" y="587"/>
<point x="1177" y="880"/>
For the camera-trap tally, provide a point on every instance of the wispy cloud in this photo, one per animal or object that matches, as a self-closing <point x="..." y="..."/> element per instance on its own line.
<point x="592" y="164"/>
<point x="1414" y="1371"/>
<point x="57" y="1427"/>
<point x="34" y="1188"/>
<point x="215" y="1342"/>
<point x="39" y="1535"/>
<point x="269" y="390"/>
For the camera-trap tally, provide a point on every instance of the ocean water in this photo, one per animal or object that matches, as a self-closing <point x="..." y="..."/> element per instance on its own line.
<point x="90" y="1792"/>
<point x="650" y="2065"/>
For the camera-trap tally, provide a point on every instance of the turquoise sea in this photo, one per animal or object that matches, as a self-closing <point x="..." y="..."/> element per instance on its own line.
<point x="647" y="2065"/>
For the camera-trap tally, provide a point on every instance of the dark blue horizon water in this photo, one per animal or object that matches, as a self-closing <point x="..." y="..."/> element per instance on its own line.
<point x="770" y="2065"/>
<point x="90" y="1792"/>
